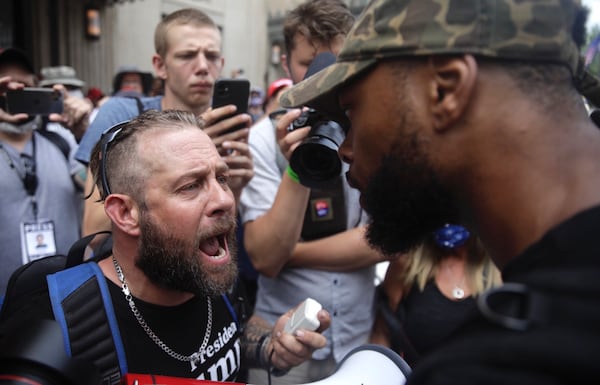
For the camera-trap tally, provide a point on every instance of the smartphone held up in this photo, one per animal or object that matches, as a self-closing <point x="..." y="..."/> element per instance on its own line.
<point x="34" y="101"/>
<point x="232" y="91"/>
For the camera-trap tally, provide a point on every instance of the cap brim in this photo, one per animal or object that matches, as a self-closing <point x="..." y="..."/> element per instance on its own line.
<point x="64" y="82"/>
<point x="320" y="90"/>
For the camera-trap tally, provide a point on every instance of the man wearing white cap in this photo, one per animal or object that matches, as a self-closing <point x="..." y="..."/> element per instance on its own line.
<point x="64" y="78"/>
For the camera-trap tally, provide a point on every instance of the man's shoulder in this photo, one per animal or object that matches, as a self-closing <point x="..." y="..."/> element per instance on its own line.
<point x="483" y="352"/>
<point x="114" y="111"/>
<point x="30" y="283"/>
<point x="127" y="107"/>
<point x="150" y="102"/>
<point x="35" y="304"/>
<point x="119" y="109"/>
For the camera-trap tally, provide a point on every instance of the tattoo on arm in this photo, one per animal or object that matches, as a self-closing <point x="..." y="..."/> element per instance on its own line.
<point x="254" y="342"/>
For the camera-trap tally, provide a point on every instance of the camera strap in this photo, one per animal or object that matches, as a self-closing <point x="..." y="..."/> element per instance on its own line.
<point x="325" y="212"/>
<point x="29" y="177"/>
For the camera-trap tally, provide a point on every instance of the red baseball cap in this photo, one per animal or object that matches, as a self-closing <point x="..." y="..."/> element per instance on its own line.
<point x="277" y="85"/>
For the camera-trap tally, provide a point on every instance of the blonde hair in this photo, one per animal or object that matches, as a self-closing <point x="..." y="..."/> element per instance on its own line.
<point x="423" y="263"/>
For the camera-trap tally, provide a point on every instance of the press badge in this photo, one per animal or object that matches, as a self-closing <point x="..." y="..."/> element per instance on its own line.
<point x="37" y="240"/>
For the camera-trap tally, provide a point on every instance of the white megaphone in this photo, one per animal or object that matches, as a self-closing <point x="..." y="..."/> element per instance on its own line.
<point x="369" y="365"/>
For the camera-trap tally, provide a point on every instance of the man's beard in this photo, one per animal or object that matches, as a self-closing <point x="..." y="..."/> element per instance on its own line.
<point x="173" y="263"/>
<point x="406" y="200"/>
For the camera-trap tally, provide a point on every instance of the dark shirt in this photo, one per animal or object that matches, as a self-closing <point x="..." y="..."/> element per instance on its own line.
<point x="182" y="329"/>
<point x="558" y="338"/>
<point x="430" y="317"/>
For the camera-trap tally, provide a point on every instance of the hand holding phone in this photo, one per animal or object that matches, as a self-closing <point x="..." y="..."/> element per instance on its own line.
<point x="34" y="101"/>
<point x="231" y="91"/>
<point x="304" y="317"/>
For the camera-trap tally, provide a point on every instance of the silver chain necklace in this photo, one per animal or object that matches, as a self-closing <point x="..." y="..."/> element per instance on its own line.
<point x="194" y="357"/>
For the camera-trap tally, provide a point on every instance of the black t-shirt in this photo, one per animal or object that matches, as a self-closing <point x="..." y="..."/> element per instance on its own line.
<point x="561" y="303"/>
<point x="182" y="329"/>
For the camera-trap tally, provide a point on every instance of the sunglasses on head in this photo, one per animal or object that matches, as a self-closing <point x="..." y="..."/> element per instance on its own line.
<point x="107" y="138"/>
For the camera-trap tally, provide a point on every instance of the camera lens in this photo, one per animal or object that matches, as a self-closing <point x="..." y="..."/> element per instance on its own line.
<point x="316" y="159"/>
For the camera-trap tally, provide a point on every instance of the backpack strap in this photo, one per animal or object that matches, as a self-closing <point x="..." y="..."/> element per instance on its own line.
<point x="88" y="320"/>
<point x="140" y="105"/>
<point x="231" y="310"/>
<point x="78" y="251"/>
<point x="56" y="139"/>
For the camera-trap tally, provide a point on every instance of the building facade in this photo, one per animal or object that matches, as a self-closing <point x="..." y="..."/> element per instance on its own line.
<point x="98" y="36"/>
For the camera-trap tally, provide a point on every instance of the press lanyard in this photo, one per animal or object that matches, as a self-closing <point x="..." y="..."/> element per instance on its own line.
<point x="30" y="179"/>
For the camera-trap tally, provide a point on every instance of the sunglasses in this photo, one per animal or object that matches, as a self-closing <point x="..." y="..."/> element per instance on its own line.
<point x="106" y="139"/>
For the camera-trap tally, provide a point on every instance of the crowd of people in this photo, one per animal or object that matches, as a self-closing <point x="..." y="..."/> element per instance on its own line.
<point x="469" y="163"/>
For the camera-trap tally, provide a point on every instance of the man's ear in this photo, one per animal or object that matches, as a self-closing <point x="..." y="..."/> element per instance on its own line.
<point x="285" y="66"/>
<point x="452" y="87"/>
<point x="159" y="66"/>
<point x="123" y="213"/>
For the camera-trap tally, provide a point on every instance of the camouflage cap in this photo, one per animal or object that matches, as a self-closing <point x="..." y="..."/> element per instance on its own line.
<point x="533" y="30"/>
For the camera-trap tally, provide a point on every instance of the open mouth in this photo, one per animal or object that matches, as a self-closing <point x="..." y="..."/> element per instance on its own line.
<point x="215" y="247"/>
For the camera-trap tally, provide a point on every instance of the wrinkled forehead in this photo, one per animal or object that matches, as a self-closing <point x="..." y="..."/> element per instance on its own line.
<point x="204" y="35"/>
<point x="176" y="146"/>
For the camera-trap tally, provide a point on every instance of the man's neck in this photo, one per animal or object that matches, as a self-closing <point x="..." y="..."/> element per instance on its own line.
<point x="515" y="202"/>
<point x="139" y="284"/>
<point x="18" y="141"/>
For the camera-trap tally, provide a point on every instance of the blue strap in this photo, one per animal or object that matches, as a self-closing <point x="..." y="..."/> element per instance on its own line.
<point x="64" y="283"/>
<point x="231" y="309"/>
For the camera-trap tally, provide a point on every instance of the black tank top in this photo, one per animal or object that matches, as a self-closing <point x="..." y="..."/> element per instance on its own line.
<point x="430" y="317"/>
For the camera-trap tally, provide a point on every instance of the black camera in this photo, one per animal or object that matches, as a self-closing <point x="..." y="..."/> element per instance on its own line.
<point x="316" y="159"/>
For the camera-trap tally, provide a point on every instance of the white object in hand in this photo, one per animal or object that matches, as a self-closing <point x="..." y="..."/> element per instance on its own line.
<point x="305" y="317"/>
